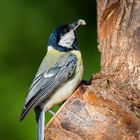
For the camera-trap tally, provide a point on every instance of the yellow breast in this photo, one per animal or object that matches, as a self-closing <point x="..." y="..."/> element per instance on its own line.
<point x="64" y="91"/>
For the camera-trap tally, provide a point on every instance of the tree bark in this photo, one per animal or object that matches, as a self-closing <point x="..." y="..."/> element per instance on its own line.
<point x="108" y="108"/>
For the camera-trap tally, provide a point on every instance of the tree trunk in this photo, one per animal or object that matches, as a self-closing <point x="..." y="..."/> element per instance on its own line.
<point x="108" y="108"/>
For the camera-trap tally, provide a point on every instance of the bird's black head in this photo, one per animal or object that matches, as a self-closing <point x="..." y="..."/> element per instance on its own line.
<point x="64" y="38"/>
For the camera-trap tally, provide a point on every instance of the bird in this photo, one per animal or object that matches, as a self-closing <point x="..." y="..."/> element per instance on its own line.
<point x="58" y="76"/>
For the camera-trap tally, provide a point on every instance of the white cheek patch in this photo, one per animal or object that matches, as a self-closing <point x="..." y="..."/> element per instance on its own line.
<point x="67" y="40"/>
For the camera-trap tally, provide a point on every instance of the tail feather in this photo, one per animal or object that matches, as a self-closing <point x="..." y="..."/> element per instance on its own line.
<point x="40" y="118"/>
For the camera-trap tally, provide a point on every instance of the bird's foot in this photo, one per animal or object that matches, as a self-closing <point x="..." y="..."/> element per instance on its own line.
<point x="86" y="82"/>
<point x="51" y="112"/>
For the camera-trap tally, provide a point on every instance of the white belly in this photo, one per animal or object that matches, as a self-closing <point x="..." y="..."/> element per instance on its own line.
<point x="65" y="90"/>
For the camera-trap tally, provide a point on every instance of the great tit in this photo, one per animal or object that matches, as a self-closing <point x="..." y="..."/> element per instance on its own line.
<point x="58" y="76"/>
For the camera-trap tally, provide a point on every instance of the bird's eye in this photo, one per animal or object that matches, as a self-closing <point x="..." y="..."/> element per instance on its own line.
<point x="66" y="30"/>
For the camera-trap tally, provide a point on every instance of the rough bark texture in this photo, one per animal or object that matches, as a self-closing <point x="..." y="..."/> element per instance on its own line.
<point x="109" y="108"/>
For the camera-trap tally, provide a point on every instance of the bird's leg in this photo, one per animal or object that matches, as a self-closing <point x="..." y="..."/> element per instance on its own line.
<point x="40" y="118"/>
<point x="51" y="112"/>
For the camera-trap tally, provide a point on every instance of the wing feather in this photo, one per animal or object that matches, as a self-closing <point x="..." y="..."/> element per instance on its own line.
<point x="43" y="85"/>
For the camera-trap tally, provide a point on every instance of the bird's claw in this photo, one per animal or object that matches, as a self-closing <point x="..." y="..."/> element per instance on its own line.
<point x="51" y="112"/>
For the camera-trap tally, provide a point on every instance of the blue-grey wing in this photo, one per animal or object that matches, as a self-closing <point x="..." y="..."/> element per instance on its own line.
<point x="46" y="82"/>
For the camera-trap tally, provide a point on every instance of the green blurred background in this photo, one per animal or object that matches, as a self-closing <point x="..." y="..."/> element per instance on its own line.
<point x="25" y="26"/>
